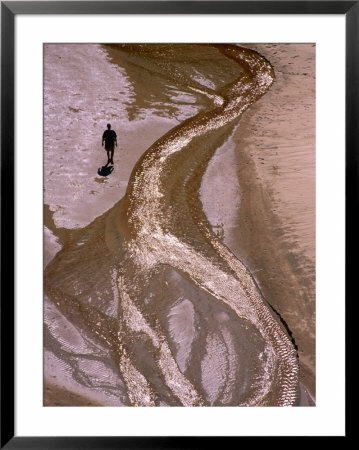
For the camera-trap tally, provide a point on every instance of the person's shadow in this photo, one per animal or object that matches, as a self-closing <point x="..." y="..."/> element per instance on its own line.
<point x="104" y="171"/>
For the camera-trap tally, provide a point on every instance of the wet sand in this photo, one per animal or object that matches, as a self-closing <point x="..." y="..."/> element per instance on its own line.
<point x="276" y="143"/>
<point x="273" y="152"/>
<point x="56" y="396"/>
<point x="278" y="241"/>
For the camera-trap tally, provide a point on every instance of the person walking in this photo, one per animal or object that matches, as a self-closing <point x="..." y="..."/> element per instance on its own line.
<point x="109" y="137"/>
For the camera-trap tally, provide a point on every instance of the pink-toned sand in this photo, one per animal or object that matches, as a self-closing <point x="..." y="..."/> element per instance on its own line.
<point x="276" y="170"/>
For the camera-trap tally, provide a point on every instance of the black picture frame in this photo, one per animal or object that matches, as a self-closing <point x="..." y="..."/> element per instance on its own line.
<point x="8" y="12"/>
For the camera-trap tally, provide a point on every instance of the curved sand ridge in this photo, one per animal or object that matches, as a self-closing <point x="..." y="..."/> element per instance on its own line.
<point x="157" y="239"/>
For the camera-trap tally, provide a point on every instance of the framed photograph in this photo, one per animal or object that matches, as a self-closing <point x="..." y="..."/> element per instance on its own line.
<point x="175" y="182"/>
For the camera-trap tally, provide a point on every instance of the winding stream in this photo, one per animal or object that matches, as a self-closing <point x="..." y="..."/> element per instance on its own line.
<point x="155" y="291"/>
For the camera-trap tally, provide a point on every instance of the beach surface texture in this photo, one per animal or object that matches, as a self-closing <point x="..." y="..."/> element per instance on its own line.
<point x="186" y="277"/>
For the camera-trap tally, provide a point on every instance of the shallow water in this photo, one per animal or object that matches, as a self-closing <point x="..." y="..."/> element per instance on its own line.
<point x="145" y="304"/>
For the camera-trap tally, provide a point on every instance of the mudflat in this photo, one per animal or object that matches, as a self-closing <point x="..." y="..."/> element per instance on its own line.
<point x="97" y="284"/>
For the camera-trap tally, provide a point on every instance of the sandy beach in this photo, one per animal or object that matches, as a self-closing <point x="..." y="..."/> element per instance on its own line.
<point x="258" y="196"/>
<point x="276" y="143"/>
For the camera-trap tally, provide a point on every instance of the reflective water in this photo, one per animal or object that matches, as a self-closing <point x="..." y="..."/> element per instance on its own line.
<point x="145" y="305"/>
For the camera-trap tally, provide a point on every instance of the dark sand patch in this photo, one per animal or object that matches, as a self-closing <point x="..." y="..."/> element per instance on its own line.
<point x="59" y="396"/>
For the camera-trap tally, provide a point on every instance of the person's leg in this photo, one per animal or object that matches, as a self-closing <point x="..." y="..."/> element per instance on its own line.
<point x="108" y="157"/>
<point x="112" y="151"/>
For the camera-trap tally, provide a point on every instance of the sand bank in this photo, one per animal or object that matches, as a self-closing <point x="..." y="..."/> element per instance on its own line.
<point x="276" y="171"/>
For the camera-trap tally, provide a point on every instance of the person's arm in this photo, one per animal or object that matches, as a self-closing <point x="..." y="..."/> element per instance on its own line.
<point x="116" y="139"/>
<point x="103" y="138"/>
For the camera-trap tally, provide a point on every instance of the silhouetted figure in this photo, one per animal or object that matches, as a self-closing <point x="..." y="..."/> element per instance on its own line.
<point x="109" y="137"/>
